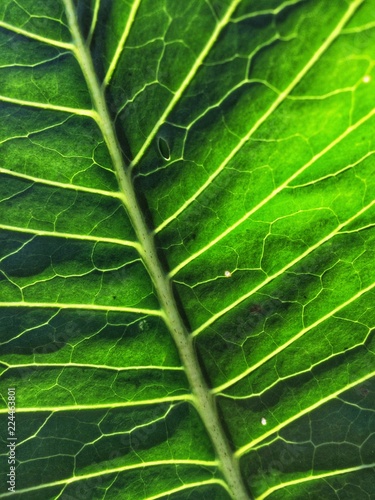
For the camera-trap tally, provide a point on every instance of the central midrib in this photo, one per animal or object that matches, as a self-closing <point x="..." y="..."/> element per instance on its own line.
<point x="203" y="399"/>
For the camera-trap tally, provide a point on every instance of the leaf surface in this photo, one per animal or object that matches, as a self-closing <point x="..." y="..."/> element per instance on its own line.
<point x="187" y="248"/>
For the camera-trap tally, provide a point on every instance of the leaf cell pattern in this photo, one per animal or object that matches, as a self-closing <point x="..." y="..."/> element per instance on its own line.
<point x="186" y="257"/>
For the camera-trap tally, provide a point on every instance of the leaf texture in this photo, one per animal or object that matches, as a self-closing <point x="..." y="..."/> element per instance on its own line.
<point x="187" y="248"/>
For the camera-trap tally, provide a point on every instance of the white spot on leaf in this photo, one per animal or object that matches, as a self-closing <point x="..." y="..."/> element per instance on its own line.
<point x="366" y="79"/>
<point x="143" y="326"/>
<point x="263" y="421"/>
<point x="227" y="274"/>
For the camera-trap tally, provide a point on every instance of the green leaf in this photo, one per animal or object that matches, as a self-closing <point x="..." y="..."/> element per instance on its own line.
<point x="187" y="249"/>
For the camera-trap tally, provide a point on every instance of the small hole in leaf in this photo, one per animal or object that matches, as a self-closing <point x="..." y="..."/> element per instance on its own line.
<point x="163" y="147"/>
